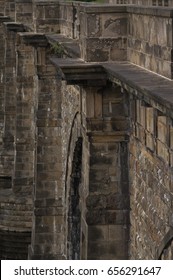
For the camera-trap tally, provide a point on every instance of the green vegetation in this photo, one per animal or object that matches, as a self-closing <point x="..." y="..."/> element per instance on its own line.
<point x="57" y="49"/>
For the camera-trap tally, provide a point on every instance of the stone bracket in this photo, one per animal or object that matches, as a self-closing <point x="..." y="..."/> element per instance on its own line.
<point x="14" y="26"/>
<point x="4" y="19"/>
<point x="76" y="71"/>
<point x="34" y="39"/>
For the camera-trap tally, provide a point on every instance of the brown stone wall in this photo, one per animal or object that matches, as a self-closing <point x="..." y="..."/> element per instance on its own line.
<point x="103" y="33"/>
<point x="150" y="39"/>
<point x="144" y="2"/>
<point x="9" y="8"/>
<point x="151" y="190"/>
<point x="46" y="16"/>
<point x="24" y="13"/>
<point x="66" y="19"/>
<point x="65" y="145"/>
<point x="2" y="7"/>
<point x="16" y="202"/>
<point x="2" y="93"/>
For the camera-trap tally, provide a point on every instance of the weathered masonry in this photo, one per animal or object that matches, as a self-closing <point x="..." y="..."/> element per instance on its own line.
<point x="86" y="130"/>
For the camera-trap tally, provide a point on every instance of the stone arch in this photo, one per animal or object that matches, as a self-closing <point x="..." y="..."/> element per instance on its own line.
<point x="74" y="212"/>
<point x="72" y="189"/>
<point x="166" y="243"/>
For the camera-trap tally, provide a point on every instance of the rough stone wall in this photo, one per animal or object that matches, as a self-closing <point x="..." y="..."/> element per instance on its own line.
<point x="24" y="13"/>
<point x="63" y="143"/>
<point x="46" y="16"/>
<point x="151" y="179"/>
<point x="9" y="8"/>
<point x="17" y="165"/>
<point x="48" y="192"/>
<point x="103" y="33"/>
<point x="144" y="2"/>
<point x="150" y="39"/>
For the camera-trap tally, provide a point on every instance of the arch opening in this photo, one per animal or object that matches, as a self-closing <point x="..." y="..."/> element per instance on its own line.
<point x="74" y="212"/>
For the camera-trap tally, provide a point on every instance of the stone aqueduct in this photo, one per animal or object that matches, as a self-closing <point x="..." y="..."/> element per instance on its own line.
<point x="86" y="130"/>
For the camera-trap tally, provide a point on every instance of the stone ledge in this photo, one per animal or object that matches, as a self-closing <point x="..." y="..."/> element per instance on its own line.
<point x="14" y="26"/>
<point x="45" y="2"/>
<point x="151" y="11"/>
<point x="76" y="71"/>
<point x="4" y="19"/>
<point x="35" y="39"/>
<point x="23" y="1"/>
<point x="103" y="8"/>
<point x="141" y="81"/>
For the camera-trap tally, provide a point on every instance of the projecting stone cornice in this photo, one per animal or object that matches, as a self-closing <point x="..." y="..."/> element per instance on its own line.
<point x="35" y="39"/>
<point x="4" y="19"/>
<point x="103" y="8"/>
<point x="14" y="26"/>
<point x="76" y="71"/>
<point x="152" y="88"/>
<point x="150" y="11"/>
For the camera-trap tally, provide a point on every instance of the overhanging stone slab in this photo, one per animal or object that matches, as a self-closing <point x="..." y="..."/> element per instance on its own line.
<point x="145" y="84"/>
<point x="14" y="26"/>
<point x="4" y="19"/>
<point x="35" y="39"/>
<point x="76" y="71"/>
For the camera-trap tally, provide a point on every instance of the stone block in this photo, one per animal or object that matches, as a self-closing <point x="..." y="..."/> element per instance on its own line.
<point x="162" y="129"/>
<point x="162" y="151"/>
<point x="107" y="250"/>
<point x="98" y="232"/>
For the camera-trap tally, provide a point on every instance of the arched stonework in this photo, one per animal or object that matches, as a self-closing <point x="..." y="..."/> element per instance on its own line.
<point x="72" y="190"/>
<point x="74" y="212"/>
<point x="165" y="250"/>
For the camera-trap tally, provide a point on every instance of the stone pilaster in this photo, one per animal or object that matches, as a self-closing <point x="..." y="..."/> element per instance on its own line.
<point x="24" y="13"/>
<point x="9" y="8"/>
<point x="107" y="203"/>
<point x="48" y="203"/>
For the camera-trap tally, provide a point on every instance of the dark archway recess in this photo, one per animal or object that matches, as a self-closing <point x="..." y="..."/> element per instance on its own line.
<point x="74" y="213"/>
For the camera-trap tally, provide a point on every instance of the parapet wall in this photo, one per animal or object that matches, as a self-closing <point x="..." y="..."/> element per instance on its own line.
<point x="165" y="3"/>
<point x="150" y="43"/>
